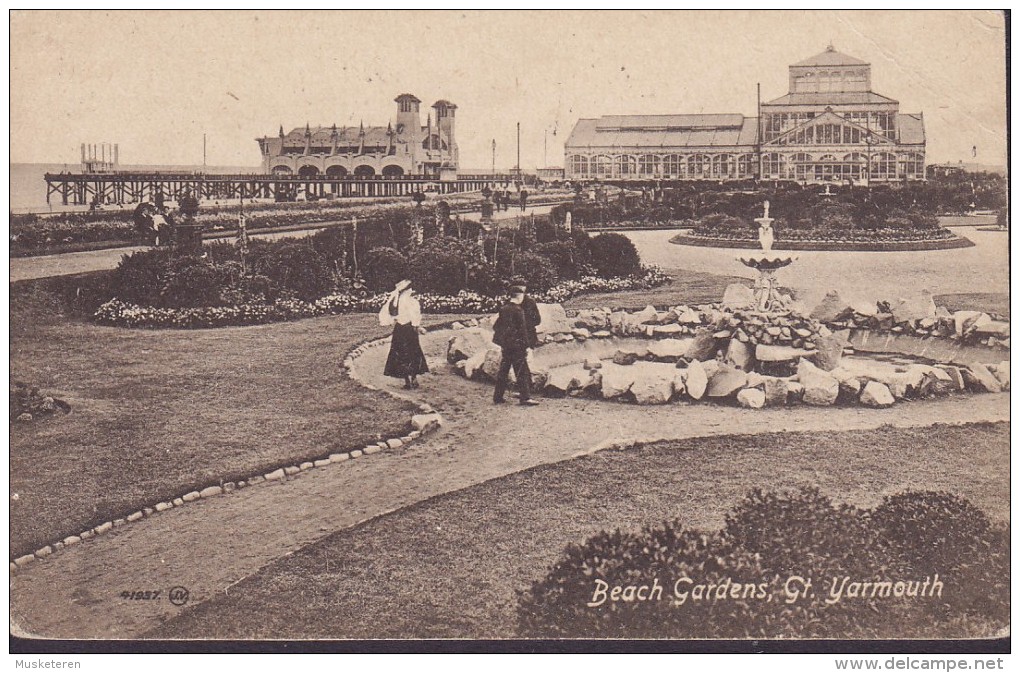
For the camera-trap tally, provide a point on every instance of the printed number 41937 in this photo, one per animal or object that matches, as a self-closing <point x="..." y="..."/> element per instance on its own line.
<point x="140" y="595"/>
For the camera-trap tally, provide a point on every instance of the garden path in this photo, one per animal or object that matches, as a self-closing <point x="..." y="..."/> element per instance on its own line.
<point x="981" y="268"/>
<point x="209" y="545"/>
<point x="70" y="263"/>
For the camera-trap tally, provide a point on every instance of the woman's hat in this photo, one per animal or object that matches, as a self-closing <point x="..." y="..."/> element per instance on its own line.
<point x="518" y="289"/>
<point x="402" y="285"/>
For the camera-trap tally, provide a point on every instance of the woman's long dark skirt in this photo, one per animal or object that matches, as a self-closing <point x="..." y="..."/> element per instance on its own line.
<point x="406" y="357"/>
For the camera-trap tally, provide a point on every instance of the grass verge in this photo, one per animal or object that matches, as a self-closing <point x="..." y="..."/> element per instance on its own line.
<point x="158" y="413"/>
<point x="450" y="567"/>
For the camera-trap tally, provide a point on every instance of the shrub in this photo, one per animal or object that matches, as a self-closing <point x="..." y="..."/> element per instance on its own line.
<point x="940" y="533"/>
<point x="138" y="277"/>
<point x="444" y="265"/>
<point x="538" y="272"/>
<point x="557" y="606"/>
<point x="384" y="268"/>
<point x="297" y="267"/>
<point x="769" y="538"/>
<point x="191" y="282"/>
<point x="564" y="257"/>
<point x="614" y="255"/>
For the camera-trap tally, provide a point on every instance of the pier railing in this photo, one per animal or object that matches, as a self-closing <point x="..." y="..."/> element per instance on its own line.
<point x="122" y="187"/>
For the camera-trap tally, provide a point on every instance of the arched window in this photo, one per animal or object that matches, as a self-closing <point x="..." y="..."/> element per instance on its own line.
<point x="883" y="166"/>
<point x="856" y="164"/>
<point x="602" y="166"/>
<point x="308" y="171"/>
<point x="364" y="171"/>
<point x="803" y="168"/>
<point x="625" y="166"/>
<point x="579" y="165"/>
<point x="773" y="166"/>
<point x="282" y="170"/>
<point x="336" y="172"/>
<point x="747" y="166"/>
<point x="392" y="171"/>
<point x="828" y="167"/>
<point x="672" y="166"/>
<point x="912" y="165"/>
<point x="722" y="166"/>
<point x="648" y="164"/>
<point x="698" y="166"/>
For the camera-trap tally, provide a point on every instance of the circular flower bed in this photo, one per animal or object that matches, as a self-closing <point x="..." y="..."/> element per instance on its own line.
<point x="879" y="240"/>
<point x="753" y="359"/>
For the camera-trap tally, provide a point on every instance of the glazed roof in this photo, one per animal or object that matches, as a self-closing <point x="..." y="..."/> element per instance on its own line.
<point x="831" y="98"/>
<point x="664" y="131"/>
<point x="829" y="57"/>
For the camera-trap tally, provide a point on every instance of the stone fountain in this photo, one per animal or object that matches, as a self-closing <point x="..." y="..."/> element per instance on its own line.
<point x="766" y="289"/>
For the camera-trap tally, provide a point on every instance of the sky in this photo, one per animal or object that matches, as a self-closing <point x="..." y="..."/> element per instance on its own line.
<point x="156" y="81"/>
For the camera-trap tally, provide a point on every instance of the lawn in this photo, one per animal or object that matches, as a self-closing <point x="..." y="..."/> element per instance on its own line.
<point x="449" y="567"/>
<point x="158" y="413"/>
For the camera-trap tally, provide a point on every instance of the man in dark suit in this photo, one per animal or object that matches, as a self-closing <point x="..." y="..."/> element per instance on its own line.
<point x="513" y="336"/>
<point x="531" y="315"/>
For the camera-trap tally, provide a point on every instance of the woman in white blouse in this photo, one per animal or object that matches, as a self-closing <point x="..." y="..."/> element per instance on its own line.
<point x="406" y="359"/>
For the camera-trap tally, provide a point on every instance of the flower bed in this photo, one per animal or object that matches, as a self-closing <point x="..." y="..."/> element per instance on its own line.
<point x="900" y="243"/>
<point x="122" y="314"/>
<point x="27" y="403"/>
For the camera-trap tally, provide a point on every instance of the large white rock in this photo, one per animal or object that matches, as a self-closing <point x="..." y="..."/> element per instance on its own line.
<point x="751" y="398"/>
<point x="473" y="365"/>
<point x="696" y="380"/>
<point x="832" y="307"/>
<point x="967" y="321"/>
<point x="593" y="319"/>
<point x="1002" y="374"/>
<point x="915" y="308"/>
<point x="554" y="319"/>
<point x="689" y="317"/>
<point x="740" y="355"/>
<point x="876" y="394"/>
<point x="737" y="296"/>
<point x="466" y="343"/>
<point x="653" y="383"/>
<point x="564" y="379"/>
<point x="980" y="379"/>
<point x="726" y="381"/>
<point x="616" y="379"/>
<point x="493" y="358"/>
<point x="669" y="329"/>
<point x="768" y="353"/>
<point x="665" y="349"/>
<point x="820" y="387"/>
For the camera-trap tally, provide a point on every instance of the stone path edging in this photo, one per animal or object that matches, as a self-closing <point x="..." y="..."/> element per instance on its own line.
<point x="423" y="423"/>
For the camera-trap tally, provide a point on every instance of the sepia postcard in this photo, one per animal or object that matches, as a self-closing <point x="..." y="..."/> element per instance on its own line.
<point x="672" y="331"/>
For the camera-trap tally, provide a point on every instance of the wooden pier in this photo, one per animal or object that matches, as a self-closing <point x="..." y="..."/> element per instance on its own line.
<point x="128" y="187"/>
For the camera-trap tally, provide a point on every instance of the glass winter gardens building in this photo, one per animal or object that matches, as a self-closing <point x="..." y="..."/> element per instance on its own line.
<point x="831" y="126"/>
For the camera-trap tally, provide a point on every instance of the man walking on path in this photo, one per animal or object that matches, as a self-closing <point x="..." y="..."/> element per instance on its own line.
<point x="524" y="199"/>
<point x="513" y="336"/>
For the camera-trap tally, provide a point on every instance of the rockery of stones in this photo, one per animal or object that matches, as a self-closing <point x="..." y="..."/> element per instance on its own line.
<point x="839" y="352"/>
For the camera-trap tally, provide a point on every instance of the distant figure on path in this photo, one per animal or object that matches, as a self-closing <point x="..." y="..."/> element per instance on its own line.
<point x="524" y="199"/>
<point x="512" y="336"/>
<point x="406" y="359"/>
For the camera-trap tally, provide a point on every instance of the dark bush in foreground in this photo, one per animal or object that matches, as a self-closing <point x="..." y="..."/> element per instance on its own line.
<point x="785" y="565"/>
<point x="614" y="255"/>
<point x="384" y="268"/>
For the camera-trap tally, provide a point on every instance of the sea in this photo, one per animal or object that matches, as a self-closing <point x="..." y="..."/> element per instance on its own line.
<point x="28" y="184"/>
